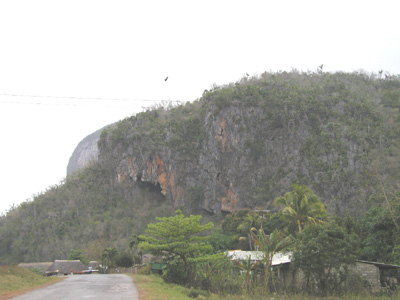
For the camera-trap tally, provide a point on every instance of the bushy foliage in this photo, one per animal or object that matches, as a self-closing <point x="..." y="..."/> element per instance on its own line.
<point x="218" y="277"/>
<point x="324" y="253"/>
<point x="379" y="230"/>
<point x="125" y="260"/>
<point x="238" y="225"/>
<point x="177" y="240"/>
<point x="78" y="254"/>
<point x="221" y="241"/>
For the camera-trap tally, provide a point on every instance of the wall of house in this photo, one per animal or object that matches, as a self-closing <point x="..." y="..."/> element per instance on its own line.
<point x="369" y="272"/>
<point x="290" y="277"/>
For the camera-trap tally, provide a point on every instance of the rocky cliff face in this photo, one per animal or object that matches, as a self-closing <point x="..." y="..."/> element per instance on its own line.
<point x="86" y="152"/>
<point x="242" y="145"/>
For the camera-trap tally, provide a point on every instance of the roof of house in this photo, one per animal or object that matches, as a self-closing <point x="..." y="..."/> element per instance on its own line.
<point x="36" y="265"/>
<point x="281" y="258"/>
<point x="379" y="265"/>
<point x="277" y="259"/>
<point x="66" y="266"/>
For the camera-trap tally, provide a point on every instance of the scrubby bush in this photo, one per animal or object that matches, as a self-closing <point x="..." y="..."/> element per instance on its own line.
<point x="146" y="270"/>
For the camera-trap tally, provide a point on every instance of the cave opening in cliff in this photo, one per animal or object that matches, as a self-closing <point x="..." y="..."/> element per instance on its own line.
<point x="139" y="177"/>
<point x="149" y="187"/>
<point x="218" y="176"/>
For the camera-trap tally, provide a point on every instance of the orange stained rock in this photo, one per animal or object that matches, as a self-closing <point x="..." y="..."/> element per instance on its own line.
<point x="231" y="200"/>
<point x="222" y="136"/>
<point x="162" y="175"/>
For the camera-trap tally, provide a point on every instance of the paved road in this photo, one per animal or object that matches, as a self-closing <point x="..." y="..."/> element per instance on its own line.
<point x="94" y="286"/>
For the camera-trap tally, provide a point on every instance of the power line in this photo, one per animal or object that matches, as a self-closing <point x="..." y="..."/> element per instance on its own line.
<point x="81" y="98"/>
<point x="37" y="103"/>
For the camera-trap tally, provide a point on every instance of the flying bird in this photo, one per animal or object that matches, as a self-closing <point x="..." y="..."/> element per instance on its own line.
<point x="247" y="74"/>
<point x="166" y="78"/>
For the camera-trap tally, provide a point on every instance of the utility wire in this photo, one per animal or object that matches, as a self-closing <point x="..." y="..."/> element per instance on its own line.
<point x="76" y="98"/>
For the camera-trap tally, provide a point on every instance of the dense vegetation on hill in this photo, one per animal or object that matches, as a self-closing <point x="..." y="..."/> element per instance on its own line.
<point x="238" y="146"/>
<point x="243" y="144"/>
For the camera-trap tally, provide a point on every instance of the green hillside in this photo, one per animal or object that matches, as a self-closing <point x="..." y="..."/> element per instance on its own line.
<point x="238" y="146"/>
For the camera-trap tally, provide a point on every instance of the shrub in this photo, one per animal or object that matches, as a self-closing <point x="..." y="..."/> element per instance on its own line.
<point x="146" y="270"/>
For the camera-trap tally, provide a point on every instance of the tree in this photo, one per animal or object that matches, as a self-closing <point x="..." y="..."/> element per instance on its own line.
<point x="252" y="220"/>
<point x="108" y="257"/>
<point x="301" y="207"/>
<point x="221" y="241"/>
<point x="324" y="253"/>
<point x="77" y="254"/>
<point x="177" y="239"/>
<point x="240" y="223"/>
<point x="271" y="244"/>
<point x="125" y="260"/>
<point x="379" y="236"/>
<point x="134" y="246"/>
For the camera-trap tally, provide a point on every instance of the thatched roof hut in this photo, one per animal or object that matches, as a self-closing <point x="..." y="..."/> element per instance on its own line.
<point x="36" y="265"/>
<point x="66" y="266"/>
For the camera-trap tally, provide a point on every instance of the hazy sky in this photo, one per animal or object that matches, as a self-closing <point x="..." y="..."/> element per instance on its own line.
<point x="124" y="50"/>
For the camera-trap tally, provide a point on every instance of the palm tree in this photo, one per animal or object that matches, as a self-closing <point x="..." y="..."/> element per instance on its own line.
<point x="253" y="219"/>
<point x="133" y="245"/>
<point x="301" y="207"/>
<point x="270" y="245"/>
<point x="108" y="257"/>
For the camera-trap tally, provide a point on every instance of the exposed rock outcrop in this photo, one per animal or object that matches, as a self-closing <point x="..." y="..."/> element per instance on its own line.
<point x="242" y="145"/>
<point x="86" y="152"/>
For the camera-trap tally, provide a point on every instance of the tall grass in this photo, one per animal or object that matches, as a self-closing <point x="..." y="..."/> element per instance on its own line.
<point x="152" y="287"/>
<point x="16" y="279"/>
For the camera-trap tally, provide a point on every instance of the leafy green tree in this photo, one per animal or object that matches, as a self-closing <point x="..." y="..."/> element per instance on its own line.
<point x="232" y="221"/>
<point x="240" y="223"/>
<point x="379" y="235"/>
<point x="221" y="241"/>
<point x="78" y="254"/>
<point x="124" y="259"/>
<point x="177" y="239"/>
<point x="301" y="207"/>
<point x="324" y="252"/>
<point x="270" y="245"/>
<point x="108" y="257"/>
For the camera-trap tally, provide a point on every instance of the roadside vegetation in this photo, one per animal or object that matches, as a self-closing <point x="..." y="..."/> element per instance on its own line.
<point x="152" y="287"/>
<point x="14" y="280"/>
<point x="323" y="247"/>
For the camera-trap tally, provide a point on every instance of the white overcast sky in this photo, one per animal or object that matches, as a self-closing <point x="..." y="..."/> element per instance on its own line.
<point x="124" y="50"/>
